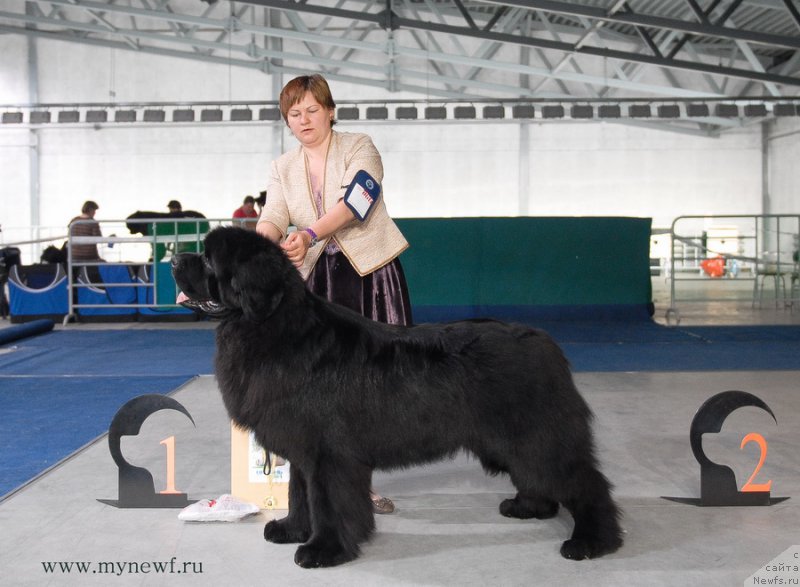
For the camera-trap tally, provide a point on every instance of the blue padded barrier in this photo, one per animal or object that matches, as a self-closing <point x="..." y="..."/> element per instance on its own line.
<point x="37" y="291"/>
<point x="89" y="294"/>
<point x="31" y="328"/>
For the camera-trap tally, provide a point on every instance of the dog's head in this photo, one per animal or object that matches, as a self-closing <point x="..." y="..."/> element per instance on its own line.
<point x="239" y="273"/>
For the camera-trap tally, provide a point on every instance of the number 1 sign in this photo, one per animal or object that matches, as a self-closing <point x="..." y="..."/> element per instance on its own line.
<point x="136" y="487"/>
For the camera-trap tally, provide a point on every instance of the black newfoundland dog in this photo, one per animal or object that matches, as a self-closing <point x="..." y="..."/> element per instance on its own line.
<point x="339" y="395"/>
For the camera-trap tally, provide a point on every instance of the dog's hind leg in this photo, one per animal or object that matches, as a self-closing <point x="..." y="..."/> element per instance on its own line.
<point x="341" y="514"/>
<point x="525" y="506"/>
<point x="544" y="483"/>
<point x="587" y="495"/>
<point x="529" y="501"/>
<point x="295" y="527"/>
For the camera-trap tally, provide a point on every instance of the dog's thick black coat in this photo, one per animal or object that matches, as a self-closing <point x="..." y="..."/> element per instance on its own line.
<point x="339" y="395"/>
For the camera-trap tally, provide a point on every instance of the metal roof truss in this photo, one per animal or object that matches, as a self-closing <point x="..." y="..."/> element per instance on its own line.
<point x="461" y="49"/>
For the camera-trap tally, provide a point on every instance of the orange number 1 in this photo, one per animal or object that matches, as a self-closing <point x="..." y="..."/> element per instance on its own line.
<point x="170" y="444"/>
<point x="750" y="486"/>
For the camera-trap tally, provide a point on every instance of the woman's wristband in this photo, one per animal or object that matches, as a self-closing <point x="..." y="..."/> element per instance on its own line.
<point x="313" y="235"/>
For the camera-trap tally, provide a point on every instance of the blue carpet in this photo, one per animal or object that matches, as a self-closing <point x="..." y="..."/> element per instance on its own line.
<point x="61" y="389"/>
<point x="691" y="356"/>
<point x="46" y="419"/>
<point x="647" y="346"/>
<point x="112" y="352"/>
<point x="598" y="332"/>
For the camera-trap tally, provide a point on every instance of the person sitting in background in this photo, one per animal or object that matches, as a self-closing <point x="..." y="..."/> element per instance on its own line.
<point x="85" y="225"/>
<point x="246" y="215"/>
<point x="181" y="230"/>
<point x="175" y="208"/>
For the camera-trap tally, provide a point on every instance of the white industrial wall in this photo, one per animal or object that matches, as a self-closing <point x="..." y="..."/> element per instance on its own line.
<point x="445" y="169"/>
<point x="784" y="166"/>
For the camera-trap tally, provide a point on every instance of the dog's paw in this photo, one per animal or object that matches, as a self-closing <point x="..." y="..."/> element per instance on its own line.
<point x="281" y="532"/>
<point x="582" y="548"/>
<point x="541" y="509"/>
<point x="312" y="556"/>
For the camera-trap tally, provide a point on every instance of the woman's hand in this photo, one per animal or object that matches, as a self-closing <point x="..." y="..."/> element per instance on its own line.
<point x="296" y="246"/>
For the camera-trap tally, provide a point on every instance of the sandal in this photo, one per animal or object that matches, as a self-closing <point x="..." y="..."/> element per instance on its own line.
<point x="381" y="505"/>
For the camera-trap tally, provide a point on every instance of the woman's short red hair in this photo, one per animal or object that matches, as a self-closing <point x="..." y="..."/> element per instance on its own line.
<point x="294" y="91"/>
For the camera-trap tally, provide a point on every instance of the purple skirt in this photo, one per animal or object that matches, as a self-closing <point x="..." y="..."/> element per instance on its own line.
<point x="381" y="295"/>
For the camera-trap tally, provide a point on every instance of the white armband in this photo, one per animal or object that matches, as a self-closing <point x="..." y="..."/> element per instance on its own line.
<point x="362" y="194"/>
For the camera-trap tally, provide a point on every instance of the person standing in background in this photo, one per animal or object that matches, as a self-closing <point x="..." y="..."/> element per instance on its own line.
<point x="246" y="215"/>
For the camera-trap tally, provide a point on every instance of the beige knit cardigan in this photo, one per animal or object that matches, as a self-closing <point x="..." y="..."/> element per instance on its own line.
<point x="368" y="245"/>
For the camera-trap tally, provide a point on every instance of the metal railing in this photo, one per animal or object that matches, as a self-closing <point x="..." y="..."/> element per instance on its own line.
<point x="162" y="239"/>
<point x="733" y="251"/>
<point x="31" y="240"/>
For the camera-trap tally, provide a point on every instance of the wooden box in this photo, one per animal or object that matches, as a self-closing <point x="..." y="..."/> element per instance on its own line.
<point x="248" y="479"/>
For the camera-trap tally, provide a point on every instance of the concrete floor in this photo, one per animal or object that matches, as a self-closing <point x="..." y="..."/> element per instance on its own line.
<point x="703" y="301"/>
<point x="446" y="530"/>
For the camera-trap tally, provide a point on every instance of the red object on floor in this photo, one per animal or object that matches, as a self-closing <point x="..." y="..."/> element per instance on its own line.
<point x="714" y="267"/>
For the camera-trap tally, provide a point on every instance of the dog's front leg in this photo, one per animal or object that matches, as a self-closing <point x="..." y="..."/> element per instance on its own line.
<point x="295" y="527"/>
<point x="341" y="513"/>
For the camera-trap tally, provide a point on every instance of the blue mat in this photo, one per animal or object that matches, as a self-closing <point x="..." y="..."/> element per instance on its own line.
<point x="61" y="390"/>
<point x="647" y="346"/>
<point x="19" y="331"/>
<point x="131" y="353"/>
<point x="46" y="419"/>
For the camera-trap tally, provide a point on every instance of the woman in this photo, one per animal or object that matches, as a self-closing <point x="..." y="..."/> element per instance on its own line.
<point x="350" y="262"/>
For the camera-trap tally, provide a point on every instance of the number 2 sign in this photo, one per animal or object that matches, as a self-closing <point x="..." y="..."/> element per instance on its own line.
<point x="718" y="482"/>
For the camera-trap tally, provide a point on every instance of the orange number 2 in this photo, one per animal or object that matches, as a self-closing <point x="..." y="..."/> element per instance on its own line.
<point x="750" y="486"/>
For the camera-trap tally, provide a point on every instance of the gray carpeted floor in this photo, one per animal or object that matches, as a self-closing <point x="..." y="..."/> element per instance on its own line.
<point x="446" y="530"/>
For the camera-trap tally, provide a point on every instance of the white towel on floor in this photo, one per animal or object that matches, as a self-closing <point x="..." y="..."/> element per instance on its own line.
<point x="225" y="508"/>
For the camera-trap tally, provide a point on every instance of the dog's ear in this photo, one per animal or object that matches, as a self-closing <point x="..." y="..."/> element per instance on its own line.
<point x="258" y="287"/>
<point x="258" y="307"/>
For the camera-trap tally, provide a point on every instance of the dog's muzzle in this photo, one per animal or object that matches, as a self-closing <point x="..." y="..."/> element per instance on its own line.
<point x="209" y="307"/>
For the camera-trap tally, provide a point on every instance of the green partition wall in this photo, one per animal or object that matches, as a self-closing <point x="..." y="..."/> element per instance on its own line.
<point x="528" y="268"/>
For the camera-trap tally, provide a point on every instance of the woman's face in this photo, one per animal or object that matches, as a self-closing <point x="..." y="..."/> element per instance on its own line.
<point x="309" y="121"/>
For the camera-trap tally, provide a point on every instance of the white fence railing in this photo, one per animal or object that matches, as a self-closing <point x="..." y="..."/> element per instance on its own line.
<point x="741" y="254"/>
<point x="142" y="246"/>
<point x="160" y="239"/>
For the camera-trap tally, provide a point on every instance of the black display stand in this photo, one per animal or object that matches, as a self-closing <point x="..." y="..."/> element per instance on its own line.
<point x="718" y="482"/>
<point x="136" y="487"/>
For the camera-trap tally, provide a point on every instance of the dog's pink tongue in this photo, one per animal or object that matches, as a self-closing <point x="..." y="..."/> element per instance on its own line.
<point x="182" y="297"/>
